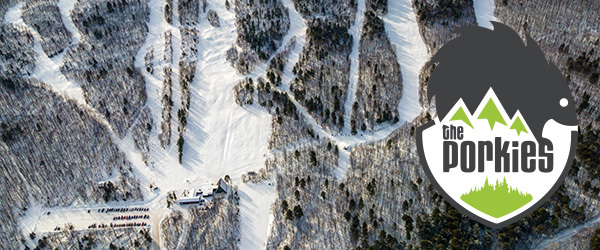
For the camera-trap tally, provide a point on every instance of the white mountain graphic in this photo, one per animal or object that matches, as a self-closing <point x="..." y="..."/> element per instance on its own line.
<point x="492" y="112"/>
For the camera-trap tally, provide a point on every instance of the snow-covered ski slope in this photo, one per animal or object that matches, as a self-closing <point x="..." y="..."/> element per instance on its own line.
<point x="224" y="138"/>
<point x="255" y="213"/>
<point x="411" y="52"/>
<point x="403" y="30"/>
<point x="256" y="199"/>
<point x="484" y="12"/>
<point x="65" y="7"/>
<point x="221" y="137"/>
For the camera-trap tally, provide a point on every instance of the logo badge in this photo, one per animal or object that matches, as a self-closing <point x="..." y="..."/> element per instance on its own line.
<point x="506" y="128"/>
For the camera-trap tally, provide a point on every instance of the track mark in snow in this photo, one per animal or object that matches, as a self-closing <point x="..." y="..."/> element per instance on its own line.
<point x="403" y="31"/>
<point x="484" y="12"/>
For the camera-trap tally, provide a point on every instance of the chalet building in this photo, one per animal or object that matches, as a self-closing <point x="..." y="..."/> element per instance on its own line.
<point x="205" y="194"/>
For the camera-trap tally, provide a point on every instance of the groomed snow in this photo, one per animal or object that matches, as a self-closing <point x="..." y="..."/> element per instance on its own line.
<point x="13" y="14"/>
<point x="255" y="213"/>
<point x="484" y="12"/>
<point x="403" y="31"/>
<point x="222" y="138"/>
<point x="401" y="25"/>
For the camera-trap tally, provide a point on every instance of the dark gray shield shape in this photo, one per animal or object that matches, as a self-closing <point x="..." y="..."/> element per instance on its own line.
<point x="467" y="66"/>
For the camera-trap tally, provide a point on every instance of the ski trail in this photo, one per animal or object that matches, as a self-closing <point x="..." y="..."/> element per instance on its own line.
<point x="401" y="25"/>
<point x="298" y="29"/>
<point x="46" y="69"/>
<point x="13" y="14"/>
<point x="255" y="217"/>
<point x="403" y="30"/>
<point x="356" y="32"/>
<point x="222" y="138"/>
<point x="50" y="73"/>
<point x="175" y="78"/>
<point x="160" y="160"/>
<point x="484" y="12"/>
<point x="256" y="199"/>
<point x="66" y="7"/>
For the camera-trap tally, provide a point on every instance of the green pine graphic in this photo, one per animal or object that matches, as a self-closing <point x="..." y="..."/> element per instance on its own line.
<point x="491" y="113"/>
<point x="518" y="126"/>
<point x="498" y="200"/>
<point x="460" y="115"/>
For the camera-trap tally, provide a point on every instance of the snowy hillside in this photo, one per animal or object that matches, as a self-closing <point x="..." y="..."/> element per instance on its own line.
<point x="245" y="124"/>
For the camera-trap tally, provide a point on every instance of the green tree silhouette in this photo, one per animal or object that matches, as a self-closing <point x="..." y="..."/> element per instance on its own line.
<point x="491" y="113"/>
<point x="496" y="200"/>
<point x="460" y="115"/>
<point x="518" y="126"/>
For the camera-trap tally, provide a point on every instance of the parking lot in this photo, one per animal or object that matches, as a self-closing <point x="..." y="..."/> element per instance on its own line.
<point x="96" y="218"/>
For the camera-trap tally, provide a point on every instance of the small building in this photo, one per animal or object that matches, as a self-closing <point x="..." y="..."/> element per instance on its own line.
<point x="223" y="189"/>
<point x="189" y="200"/>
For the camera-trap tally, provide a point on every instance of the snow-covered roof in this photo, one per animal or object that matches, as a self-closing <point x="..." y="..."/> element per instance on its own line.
<point x="188" y="199"/>
<point x="223" y="186"/>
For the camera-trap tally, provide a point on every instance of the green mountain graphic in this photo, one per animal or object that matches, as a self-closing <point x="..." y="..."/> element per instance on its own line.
<point x="491" y="113"/>
<point x="518" y="126"/>
<point x="498" y="200"/>
<point x="460" y="115"/>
